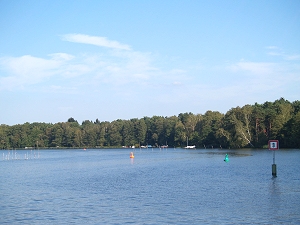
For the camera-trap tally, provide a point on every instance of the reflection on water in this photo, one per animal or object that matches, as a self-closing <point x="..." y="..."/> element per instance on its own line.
<point x="156" y="187"/>
<point x="231" y="153"/>
<point x="274" y="196"/>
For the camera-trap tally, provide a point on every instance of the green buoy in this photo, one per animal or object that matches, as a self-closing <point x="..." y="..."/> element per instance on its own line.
<point x="226" y="158"/>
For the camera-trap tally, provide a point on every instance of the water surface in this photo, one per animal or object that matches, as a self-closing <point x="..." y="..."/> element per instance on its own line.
<point x="158" y="186"/>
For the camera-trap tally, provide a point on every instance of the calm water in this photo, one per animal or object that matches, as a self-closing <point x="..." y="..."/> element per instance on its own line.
<point x="173" y="186"/>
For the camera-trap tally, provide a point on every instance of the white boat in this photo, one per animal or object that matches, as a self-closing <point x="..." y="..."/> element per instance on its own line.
<point x="190" y="146"/>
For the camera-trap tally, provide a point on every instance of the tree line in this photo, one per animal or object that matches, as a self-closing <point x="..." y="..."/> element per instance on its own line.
<point x="241" y="127"/>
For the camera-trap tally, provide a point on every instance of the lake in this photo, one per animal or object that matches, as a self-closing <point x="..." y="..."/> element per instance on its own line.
<point x="158" y="186"/>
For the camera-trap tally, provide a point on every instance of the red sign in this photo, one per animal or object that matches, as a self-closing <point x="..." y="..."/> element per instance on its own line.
<point x="273" y="144"/>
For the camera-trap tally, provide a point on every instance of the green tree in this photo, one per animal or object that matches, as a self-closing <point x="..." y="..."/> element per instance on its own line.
<point x="157" y="128"/>
<point x="237" y="122"/>
<point x="56" y="135"/>
<point x="4" y="141"/>
<point x="72" y="120"/>
<point x="169" y="130"/>
<point x="207" y="128"/>
<point x="284" y="112"/>
<point x="247" y="126"/>
<point x="102" y="134"/>
<point x="180" y="134"/>
<point x="141" y="130"/>
<point x="259" y="126"/>
<point x="290" y="133"/>
<point x="114" y="133"/>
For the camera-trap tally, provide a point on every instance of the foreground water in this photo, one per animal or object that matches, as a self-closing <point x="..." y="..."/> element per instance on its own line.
<point x="158" y="186"/>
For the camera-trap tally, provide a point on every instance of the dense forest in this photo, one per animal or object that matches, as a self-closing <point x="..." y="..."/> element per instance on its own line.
<point x="241" y="127"/>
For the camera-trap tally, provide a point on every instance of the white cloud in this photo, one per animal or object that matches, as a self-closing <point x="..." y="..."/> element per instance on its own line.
<point x="292" y="57"/>
<point x="272" y="47"/>
<point x="94" y="40"/>
<point x="135" y="74"/>
<point x="255" y="68"/>
<point x="61" y="56"/>
<point x="275" y="51"/>
<point x="260" y="79"/>
<point x="113" y="69"/>
<point x="27" y="65"/>
<point x="177" y="83"/>
<point x="25" y="70"/>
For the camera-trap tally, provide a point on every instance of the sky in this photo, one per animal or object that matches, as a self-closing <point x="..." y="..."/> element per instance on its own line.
<point x="125" y="59"/>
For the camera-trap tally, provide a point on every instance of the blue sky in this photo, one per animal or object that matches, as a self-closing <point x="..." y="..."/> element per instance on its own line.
<point x="129" y="59"/>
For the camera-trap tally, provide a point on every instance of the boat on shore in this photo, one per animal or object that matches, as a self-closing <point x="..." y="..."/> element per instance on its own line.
<point x="190" y="147"/>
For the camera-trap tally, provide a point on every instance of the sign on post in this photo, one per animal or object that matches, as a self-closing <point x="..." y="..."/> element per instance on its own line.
<point x="273" y="145"/>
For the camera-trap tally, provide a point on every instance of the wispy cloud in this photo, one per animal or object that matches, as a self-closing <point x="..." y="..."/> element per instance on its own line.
<point x="26" y="70"/>
<point x="276" y="51"/>
<point x="255" y="68"/>
<point x="292" y="57"/>
<point x="114" y="68"/>
<point x="133" y="73"/>
<point x="94" y="40"/>
<point x="61" y="56"/>
<point x="272" y="47"/>
<point x="257" y="79"/>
